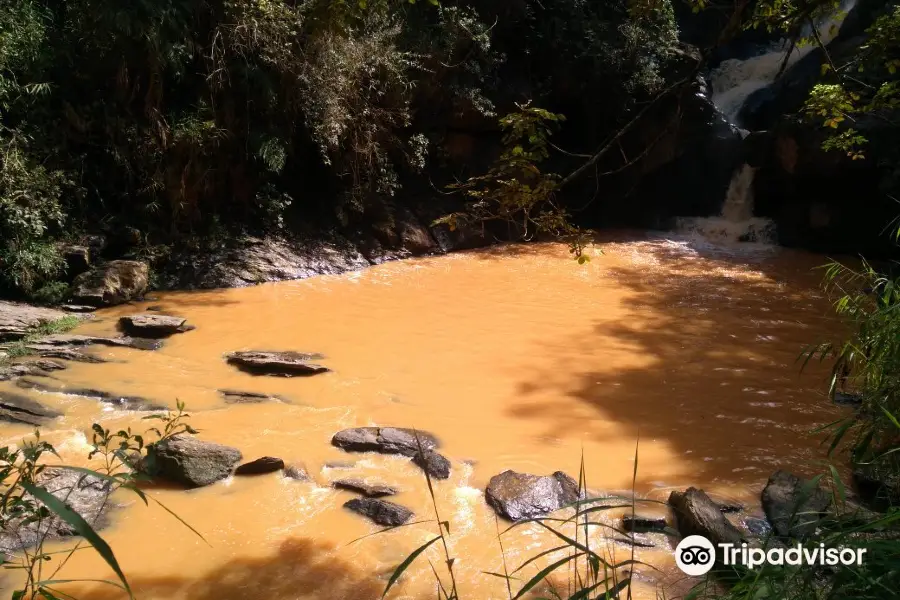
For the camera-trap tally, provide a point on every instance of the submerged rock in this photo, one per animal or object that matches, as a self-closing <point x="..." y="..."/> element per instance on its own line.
<point x="386" y="440"/>
<point x="433" y="463"/>
<point x="85" y="494"/>
<point x="154" y="326"/>
<point x="260" y="466"/>
<point x="17" y="320"/>
<point x="123" y="402"/>
<point x="15" y="408"/>
<point x="241" y="397"/>
<point x="381" y="512"/>
<point x="192" y="462"/>
<point x="296" y="472"/>
<point x="518" y="496"/>
<point x="792" y="505"/>
<point x="285" y="364"/>
<point x="641" y="524"/>
<point x="64" y="352"/>
<point x="370" y="490"/>
<point x="115" y="282"/>
<point x="697" y="514"/>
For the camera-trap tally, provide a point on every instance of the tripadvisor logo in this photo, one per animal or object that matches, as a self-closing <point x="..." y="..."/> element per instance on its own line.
<point x="695" y="555"/>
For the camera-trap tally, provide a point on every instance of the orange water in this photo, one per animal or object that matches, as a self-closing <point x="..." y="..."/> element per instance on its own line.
<point x="515" y="357"/>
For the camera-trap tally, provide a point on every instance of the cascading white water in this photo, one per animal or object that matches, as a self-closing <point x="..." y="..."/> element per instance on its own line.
<point x="736" y="222"/>
<point x="734" y="80"/>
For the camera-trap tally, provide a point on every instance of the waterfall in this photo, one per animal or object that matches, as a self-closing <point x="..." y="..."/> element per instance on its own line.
<point x="736" y="222"/>
<point x="734" y="80"/>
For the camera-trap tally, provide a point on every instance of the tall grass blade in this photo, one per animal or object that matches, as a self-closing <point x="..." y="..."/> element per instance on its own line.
<point x="543" y="573"/>
<point x="401" y="568"/>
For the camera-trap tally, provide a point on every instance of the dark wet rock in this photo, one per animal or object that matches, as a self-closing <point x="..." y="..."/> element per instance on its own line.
<point x="154" y="326"/>
<point x="878" y="483"/>
<point x="77" y="308"/>
<point x="847" y="399"/>
<point x="757" y="527"/>
<point x="433" y="463"/>
<point x="285" y="364"/>
<point x="115" y="282"/>
<point x="190" y="461"/>
<point x="78" y="259"/>
<point x="697" y="514"/>
<point x="123" y="402"/>
<point x="17" y="320"/>
<point x="38" y="368"/>
<point x="250" y="260"/>
<point x="386" y="440"/>
<point x="71" y="339"/>
<point x="518" y="496"/>
<point x="381" y="512"/>
<point x="85" y="494"/>
<point x="63" y="352"/>
<point x="260" y="466"/>
<point x="370" y="490"/>
<point x="641" y="524"/>
<point x="792" y="505"/>
<point x="15" y="408"/>
<point x="296" y="472"/>
<point x="730" y="507"/>
<point x="241" y="397"/>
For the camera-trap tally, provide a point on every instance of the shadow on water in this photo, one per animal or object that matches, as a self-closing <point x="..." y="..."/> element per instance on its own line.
<point x="720" y="378"/>
<point x="301" y="568"/>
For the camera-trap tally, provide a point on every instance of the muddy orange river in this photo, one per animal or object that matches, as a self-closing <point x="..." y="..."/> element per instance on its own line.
<point x="515" y="357"/>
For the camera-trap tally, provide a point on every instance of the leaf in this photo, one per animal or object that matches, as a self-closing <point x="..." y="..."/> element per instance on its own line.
<point x="81" y="526"/>
<point x="405" y="564"/>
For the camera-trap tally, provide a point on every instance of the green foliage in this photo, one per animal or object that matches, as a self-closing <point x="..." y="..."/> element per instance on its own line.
<point x="51" y="294"/>
<point x="515" y="191"/>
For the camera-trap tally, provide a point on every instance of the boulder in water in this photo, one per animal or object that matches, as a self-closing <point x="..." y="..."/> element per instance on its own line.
<point x="191" y="462"/>
<point x="643" y="524"/>
<point x="154" y="326"/>
<point x="260" y="466"/>
<point x="386" y="440"/>
<point x="296" y="472"/>
<point x="697" y="514"/>
<point x="793" y="506"/>
<point x="433" y="463"/>
<point x="115" y="282"/>
<point x="370" y="490"/>
<point x="381" y="512"/>
<point x="518" y="496"/>
<point x="281" y="363"/>
<point x="15" y="408"/>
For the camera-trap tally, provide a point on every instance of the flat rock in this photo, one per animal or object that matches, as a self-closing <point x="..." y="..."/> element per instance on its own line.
<point x="64" y="352"/>
<point x="85" y="494"/>
<point x="39" y="368"/>
<point x="381" y="512"/>
<point x="385" y="440"/>
<point x="516" y="496"/>
<point x="433" y="463"/>
<point x="71" y="339"/>
<point x="370" y="490"/>
<point x="17" y="319"/>
<point x="242" y="397"/>
<point x="285" y="364"/>
<point x="153" y="326"/>
<point x="260" y="466"/>
<point x="792" y="506"/>
<point x="78" y="308"/>
<point x="643" y="524"/>
<point x="190" y="461"/>
<point x="115" y="282"/>
<point x="123" y="402"/>
<point x="697" y="514"/>
<point x="16" y="408"/>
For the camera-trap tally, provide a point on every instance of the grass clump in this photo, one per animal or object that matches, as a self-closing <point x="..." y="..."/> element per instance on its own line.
<point x="19" y="348"/>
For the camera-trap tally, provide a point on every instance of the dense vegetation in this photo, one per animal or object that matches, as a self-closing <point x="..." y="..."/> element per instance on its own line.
<point x="162" y="120"/>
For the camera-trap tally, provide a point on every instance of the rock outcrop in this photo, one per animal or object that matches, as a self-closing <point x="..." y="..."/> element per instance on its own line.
<point x="385" y="440"/>
<point x="16" y="408"/>
<point x="518" y="496"/>
<point x="115" y="282"/>
<point x="280" y="363"/>
<point x="381" y="512"/>
<point x="61" y="340"/>
<point x="153" y="326"/>
<point x="190" y="461"/>
<point x="793" y="506"/>
<point x="18" y="320"/>
<point x="697" y="514"/>
<point x="260" y="466"/>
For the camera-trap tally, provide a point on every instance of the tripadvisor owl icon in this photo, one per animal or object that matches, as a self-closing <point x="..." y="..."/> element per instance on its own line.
<point x="695" y="555"/>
